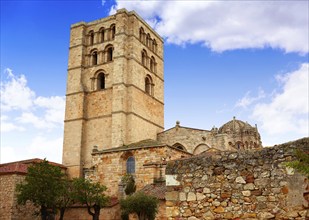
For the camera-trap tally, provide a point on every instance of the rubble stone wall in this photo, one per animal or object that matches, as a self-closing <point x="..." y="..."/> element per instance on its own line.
<point x="237" y="185"/>
<point x="9" y="209"/>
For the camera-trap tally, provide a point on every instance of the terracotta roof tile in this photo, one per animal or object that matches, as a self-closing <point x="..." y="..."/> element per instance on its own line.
<point x="156" y="189"/>
<point x="21" y="167"/>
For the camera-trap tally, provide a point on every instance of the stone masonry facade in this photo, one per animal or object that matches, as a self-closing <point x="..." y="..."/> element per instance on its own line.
<point x="238" y="185"/>
<point x="114" y="93"/>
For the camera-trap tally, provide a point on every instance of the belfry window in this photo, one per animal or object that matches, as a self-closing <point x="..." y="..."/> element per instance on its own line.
<point x="141" y="34"/>
<point x="101" y="81"/>
<point x="154" y="45"/>
<point x="152" y="64"/>
<point x="144" y="58"/>
<point x="109" y="53"/>
<point x="113" y="31"/>
<point x="91" y="38"/>
<point x="130" y="165"/>
<point x="94" y="57"/>
<point x="102" y="33"/>
<point x="148" y="85"/>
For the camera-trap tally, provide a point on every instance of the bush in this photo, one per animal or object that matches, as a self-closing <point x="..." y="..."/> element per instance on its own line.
<point x="145" y="206"/>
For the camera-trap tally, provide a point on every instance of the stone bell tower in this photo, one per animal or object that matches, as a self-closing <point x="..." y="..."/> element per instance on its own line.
<point x="115" y="86"/>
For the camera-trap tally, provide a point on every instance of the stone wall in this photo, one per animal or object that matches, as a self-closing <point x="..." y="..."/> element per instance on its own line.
<point x="110" y="167"/>
<point x="9" y="209"/>
<point x="237" y="185"/>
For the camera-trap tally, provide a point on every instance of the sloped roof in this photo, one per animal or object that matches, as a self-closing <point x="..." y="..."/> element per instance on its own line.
<point x="137" y="145"/>
<point x="157" y="190"/>
<point x="21" y="167"/>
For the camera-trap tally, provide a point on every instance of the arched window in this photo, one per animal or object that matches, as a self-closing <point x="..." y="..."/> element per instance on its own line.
<point x="148" y="39"/>
<point x="130" y="165"/>
<point x="154" y="43"/>
<point x="109" y="53"/>
<point x="113" y="31"/>
<point x="91" y="38"/>
<point x="152" y="64"/>
<point x="101" y="81"/>
<point x="102" y="35"/>
<point x="141" y="34"/>
<point x="144" y="58"/>
<point x="94" y="57"/>
<point x="179" y="146"/>
<point x="148" y="85"/>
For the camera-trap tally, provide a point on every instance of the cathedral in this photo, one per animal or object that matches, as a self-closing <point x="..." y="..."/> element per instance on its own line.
<point x="114" y="117"/>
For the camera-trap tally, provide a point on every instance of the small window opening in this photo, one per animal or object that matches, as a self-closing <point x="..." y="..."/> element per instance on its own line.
<point x="102" y="35"/>
<point x="131" y="165"/>
<point x="91" y="38"/>
<point x="94" y="58"/>
<point x="152" y="64"/>
<point x="148" y="85"/>
<point x="113" y="31"/>
<point x="101" y="81"/>
<point x="109" y="54"/>
<point x="144" y="58"/>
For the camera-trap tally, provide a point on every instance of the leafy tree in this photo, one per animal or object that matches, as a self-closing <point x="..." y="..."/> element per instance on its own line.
<point x="145" y="206"/>
<point x="301" y="164"/>
<point x="129" y="182"/>
<point x="42" y="187"/>
<point x="90" y="194"/>
<point x="65" y="198"/>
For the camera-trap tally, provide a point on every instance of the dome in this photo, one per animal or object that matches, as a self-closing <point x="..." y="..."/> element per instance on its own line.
<point x="235" y="125"/>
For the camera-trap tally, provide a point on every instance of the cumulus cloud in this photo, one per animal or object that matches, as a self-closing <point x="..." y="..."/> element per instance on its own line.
<point x="40" y="147"/>
<point x="288" y="110"/>
<point x="17" y="97"/>
<point x="37" y="121"/>
<point x="228" y="25"/>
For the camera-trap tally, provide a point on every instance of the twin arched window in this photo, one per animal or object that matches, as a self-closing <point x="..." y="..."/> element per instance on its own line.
<point x="103" y="34"/>
<point x="152" y="61"/>
<point x="147" y="40"/>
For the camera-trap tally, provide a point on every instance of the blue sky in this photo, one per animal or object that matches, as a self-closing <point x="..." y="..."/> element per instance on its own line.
<point x="247" y="59"/>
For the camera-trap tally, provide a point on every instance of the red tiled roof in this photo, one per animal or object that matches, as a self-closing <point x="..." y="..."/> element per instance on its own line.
<point x="156" y="189"/>
<point x="21" y="167"/>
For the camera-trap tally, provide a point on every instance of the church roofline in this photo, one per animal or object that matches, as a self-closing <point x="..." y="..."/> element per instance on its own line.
<point x="138" y="145"/>
<point x="188" y="128"/>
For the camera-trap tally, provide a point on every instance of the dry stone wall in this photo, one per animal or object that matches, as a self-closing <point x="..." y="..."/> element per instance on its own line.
<point x="237" y="185"/>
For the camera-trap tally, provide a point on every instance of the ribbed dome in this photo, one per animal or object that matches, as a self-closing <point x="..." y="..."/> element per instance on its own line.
<point x="235" y="126"/>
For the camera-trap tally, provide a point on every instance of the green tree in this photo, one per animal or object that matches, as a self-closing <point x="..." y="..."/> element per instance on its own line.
<point x="145" y="206"/>
<point x="90" y="194"/>
<point x="42" y="187"/>
<point x="129" y="182"/>
<point x="301" y="164"/>
<point x="65" y="198"/>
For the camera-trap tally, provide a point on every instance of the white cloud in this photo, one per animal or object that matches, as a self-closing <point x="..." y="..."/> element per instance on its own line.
<point x="286" y="115"/>
<point x="227" y="25"/>
<point x="15" y="95"/>
<point x="40" y="119"/>
<point x="6" y="126"/>
<point x="249" y="100"/>
<point x="40" y="147"/>
<point x="40" y="112"/>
